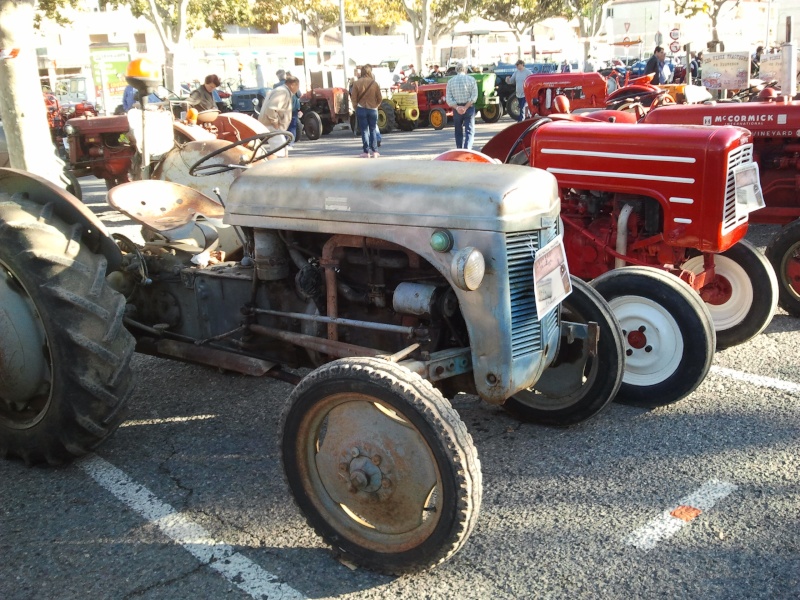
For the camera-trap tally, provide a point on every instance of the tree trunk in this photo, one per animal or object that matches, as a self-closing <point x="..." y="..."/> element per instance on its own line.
<point x="22" y="107"/>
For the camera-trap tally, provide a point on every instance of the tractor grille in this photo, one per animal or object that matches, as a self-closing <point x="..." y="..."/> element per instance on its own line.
<point x="730" y="220"/>
<point x="526" y="328"/>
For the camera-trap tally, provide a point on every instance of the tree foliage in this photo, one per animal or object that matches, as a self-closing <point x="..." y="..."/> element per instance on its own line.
<point x="520" y="15"/>
<point x="712" y="8"/>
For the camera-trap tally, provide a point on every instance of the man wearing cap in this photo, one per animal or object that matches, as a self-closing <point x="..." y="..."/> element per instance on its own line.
<point x="461" y="95"/>
<point x="203" y="97"/>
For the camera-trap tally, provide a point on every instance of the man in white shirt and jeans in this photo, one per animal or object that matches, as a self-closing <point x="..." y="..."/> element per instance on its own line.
<point x="461" y="94"/>
<point x="518" y="78"/>
<point x="276" y="113"/>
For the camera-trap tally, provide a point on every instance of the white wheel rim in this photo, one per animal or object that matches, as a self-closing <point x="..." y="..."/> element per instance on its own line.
<point x="735" y="310"/>
<point x="658" y="358"/>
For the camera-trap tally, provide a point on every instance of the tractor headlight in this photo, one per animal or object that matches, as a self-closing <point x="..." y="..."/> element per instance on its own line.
<point x="69" y="130"/>
<point x="468" y="268"/>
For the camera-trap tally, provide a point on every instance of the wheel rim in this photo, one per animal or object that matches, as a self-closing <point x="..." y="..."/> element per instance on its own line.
<point x="790" y="271"/>
<point x="653" y="340"/>
<point x="381" y="119"/>
<point x="490" y="111"/>
<point x="25" y="388"/>
<point x="436" y="118"/>
<point x="729" y="297"/>
<point x="357" y="480"/>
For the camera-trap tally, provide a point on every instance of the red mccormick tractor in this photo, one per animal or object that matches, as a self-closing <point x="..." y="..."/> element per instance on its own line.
<point x="656" y="196"/>
<point x="775" y="125"/>
<point x="393" y="308"/>
<point x="323" y="109"/>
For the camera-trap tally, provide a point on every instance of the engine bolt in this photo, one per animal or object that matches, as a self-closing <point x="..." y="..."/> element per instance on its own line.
<point x="376" y="460"/>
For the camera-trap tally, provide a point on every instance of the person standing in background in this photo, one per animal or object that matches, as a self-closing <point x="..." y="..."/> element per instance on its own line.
<point x="277" y="111"/>
<point x="518" y="79"/>
<point x="366" y="98"/>
<point x="462" y="93"/>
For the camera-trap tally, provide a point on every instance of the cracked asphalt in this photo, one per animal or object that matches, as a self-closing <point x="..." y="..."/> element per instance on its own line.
<point x="558" y="504"/>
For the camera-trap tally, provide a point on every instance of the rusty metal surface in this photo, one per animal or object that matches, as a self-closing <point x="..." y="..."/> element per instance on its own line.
<point x="332" y="348"/>
<point x="162" y="205"/>
<point x="372" y="473"/>
<point x="214" y="358"/>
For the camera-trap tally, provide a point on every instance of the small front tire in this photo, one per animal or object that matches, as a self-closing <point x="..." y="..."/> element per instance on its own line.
<point x="669" y="337"/>
<point x="381" y="465"/>
<point x="784" y="254"/>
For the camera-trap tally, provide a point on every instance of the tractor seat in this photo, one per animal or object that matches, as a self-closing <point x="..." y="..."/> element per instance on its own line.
<point x="169" y="208"/>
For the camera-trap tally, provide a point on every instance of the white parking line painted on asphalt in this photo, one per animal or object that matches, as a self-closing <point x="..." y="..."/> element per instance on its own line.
<point x="166" y="420"/>
<point x="673" y="519"/>
<point x="236" y="568"/>
<point x="759" y="380"/>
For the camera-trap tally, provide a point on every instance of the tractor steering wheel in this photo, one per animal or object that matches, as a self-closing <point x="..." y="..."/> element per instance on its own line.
<point x="521" y="139"/>
<point x="199" y="169"/>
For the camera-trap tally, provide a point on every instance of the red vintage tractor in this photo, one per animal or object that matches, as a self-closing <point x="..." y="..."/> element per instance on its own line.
<point x="589" y="90"/>
<point x="775" y="125"/>
<point x="102" y="145"/>
<point x="664" y="197"/>
<point x="323" y="109"/>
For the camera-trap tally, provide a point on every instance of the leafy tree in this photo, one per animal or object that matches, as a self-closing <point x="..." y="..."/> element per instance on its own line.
<point x="445" y="16"/>
<point x="712" y="8"/>
<point x="318" y="15"/>
<point x="589" y="14"/>
<point x="520" y="15"/>
<point x="176" y="21"/>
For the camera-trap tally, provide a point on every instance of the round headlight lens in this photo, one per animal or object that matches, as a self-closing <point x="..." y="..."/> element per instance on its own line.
<point x="69" y="130"/>
<point x="468" y="268"/>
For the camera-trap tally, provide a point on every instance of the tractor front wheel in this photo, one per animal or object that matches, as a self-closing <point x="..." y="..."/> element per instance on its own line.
<point x="387" y="120"/>
<point x="491" y="113"/>
<point x="573" y="390"/>
<point x="312" y="125"/>
<point x="64" y="353"/>
<point x="743" y="294"/>
<point x="381" y="465"/>
<point x="668" y="333"/>
<point x="784" y="254"/>
<point x="512" y="107"/>
<point x="437" y="118"/>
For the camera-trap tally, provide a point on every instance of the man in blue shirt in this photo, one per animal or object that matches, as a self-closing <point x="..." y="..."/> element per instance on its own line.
<point x="462" y="93"/>
<point x="518" y="78"/>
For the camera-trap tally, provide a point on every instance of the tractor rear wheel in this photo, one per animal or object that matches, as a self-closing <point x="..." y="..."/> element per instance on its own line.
<point x="381" y="465"/>
<point x="491" y="113"/>
<point x="437" y="118"/>
<point x="564" y="396"/>
<point x="312" y="125"/>
<point x="743" y="295"/>
<point x="669" y="337"/>
<point x="64" y="353"/>
<point x="387" y="120"/>
<point x="784" y="254"/>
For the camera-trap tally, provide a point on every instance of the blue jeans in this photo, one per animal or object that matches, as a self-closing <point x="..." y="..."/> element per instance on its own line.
<point x="293" y="127"/>
<point x="368" y="124"/>
<point x="521" y="116"/>
<point x="465" y="127"/>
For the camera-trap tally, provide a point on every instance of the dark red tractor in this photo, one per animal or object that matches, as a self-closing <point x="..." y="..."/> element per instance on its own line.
<point x="643" y="199"/>
<point x="775" y="125"/>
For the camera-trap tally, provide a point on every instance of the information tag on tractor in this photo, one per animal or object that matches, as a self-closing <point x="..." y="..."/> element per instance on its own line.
<point x="748" y="189"/>
<point x="551" y="276"/>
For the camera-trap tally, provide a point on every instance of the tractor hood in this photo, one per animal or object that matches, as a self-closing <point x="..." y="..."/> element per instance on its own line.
<point x="489" y="197"/>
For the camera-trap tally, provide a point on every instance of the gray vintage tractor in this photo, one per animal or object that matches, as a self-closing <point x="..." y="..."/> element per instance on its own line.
<point x="389" y="298"/>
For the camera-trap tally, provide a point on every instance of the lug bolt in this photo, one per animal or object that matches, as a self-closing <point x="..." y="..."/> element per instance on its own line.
<point x="376" y="460"/>
<point x="385" y="483"/>
<point x="648" y="348"/>
<point x="359" y="480"/>
<point x="642" y="328"/>
<point x="354" y="452"/>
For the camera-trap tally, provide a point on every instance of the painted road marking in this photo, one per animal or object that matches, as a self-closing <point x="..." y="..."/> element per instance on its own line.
<point x="759" y="380"/>
<point x="221" y="557"/>
<point x="673" y="519"/>
<point x="136" y="422"/>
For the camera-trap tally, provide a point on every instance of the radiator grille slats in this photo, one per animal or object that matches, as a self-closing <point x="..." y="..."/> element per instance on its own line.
<point x="739" y="156"/>
<point x="526" y="329"/>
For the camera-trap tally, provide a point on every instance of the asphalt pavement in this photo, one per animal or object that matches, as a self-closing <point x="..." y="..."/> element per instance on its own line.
<point x="699" y="499"/>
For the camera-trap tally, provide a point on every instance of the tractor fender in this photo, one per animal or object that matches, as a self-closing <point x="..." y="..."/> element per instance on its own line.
<point x="65" y="206"/>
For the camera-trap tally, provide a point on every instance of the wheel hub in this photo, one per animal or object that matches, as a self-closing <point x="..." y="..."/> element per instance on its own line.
<point x="364" y="473"/>
<point x="637" y="338"/>
<point x="718" y="292"/>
